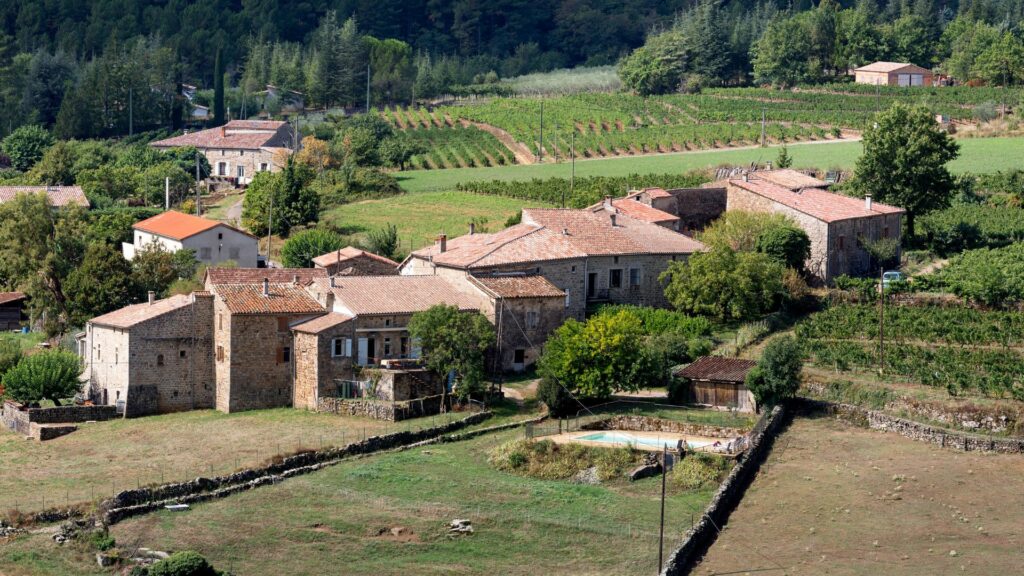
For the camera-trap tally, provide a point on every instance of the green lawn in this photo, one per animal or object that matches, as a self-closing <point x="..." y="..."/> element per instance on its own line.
<point x="342" y="517"/>
<point x="976" y="155"/>
<point x="421" y="217"/>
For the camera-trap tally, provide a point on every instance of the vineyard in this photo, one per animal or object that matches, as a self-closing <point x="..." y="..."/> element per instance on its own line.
<point x="585" y="191"/>
<point x="968" y="226"/>
<point x="959" y="349"/>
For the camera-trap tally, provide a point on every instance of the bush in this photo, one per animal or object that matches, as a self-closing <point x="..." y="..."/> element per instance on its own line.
<point x="788" y="245"/>
<point x="586" y="190"/>
<point x="52" y="374"/>
<point x="299" y="250"/>
<point x="678" y="391"/>
<point x="547" y="460"/>
<point x="10" y="354"/>
<point x="555" y="397"/>
<point x="725" y="284"/>
<point x="26" y="146"/>
<point x="185" y="563"/>
<point x="993" y="277"/>
<point x="659" y="321"/>
<point x="776" y="377"/>
<point x="699" y="470"/>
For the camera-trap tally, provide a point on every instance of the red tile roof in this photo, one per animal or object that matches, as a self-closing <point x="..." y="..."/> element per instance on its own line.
<point x="322" y="323"/>
<point x="817" y="203"/>
<point x="349" y="253"/>
<point x="361" y="295"/>
<point x="235" y="135"/>
<point x="653" y="193"/>
<point x="57" y="195"/>
<point x="519" y="286"/>
<point x="639" y="210"/>
<point x="137" y="313"/>
<point x="282" y="299"/>
<point x="219" y="276"/>
<point x="717" y="368"/>
<point x="789" y="178"/>
<point x="8" y="297"/>
<point x="176" y="225"/>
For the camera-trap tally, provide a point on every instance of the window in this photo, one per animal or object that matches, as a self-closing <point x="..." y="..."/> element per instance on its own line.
<point x="337" y="347"/>
<point x="233" y="253"/>
<point x="634" y="276"/>
<point x="286" y="354"/>
<point x="220" y="235"/>
<point x="519" y="356"/>
<point x="573" y="269"/>
<point x="387" y="347"/>
<point x="181" y="353"/>
<point x="264" y="166"/>
<point x="615" y="260"/>
<point x="403" y="347"/>
<point x="387" y="322"/>
<point x="222" y="167"/>
<point x="241" y="171"/>
<point x="615" y="278"/>
<point x="159" y="359"/>
<point x="220" y="353"/>
<point x="205" y="253"/>
<point x="532" y="319"/>
<point x="566" y="297"/>
<point x="885" y="232"/>
<point x="842" y="242"/>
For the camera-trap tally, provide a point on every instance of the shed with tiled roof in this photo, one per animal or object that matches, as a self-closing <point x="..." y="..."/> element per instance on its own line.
<point x="719" y="381"/>
<point x="12" y="310"/>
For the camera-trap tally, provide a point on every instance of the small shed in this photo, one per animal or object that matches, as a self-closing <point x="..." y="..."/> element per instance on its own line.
<point x="893" y="74"/>
<point x="12" y="310"/>
<point x="718" y="381"/>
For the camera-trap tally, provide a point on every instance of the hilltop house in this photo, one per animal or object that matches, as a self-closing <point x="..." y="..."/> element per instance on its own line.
<point x="893" y="74"/>
<point x="593" y="255"/>
<point x="57" y="196"/>
<point x="213" y="241"/>
<point x="351" y="261"/>
<point x="239" y="149"/>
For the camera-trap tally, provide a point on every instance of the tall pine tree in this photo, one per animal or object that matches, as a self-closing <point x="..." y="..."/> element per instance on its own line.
<point x="218" y="88"/>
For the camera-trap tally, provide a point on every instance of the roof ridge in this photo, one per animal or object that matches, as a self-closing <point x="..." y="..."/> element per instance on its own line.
<point x="538" y="227"/>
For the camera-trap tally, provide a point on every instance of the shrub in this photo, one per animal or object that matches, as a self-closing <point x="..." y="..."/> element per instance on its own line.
<point x="547" y="460"/>
<point x="299" y="250"/>
<point x="52" y="374"/>
<point x="699" y="470"/>
<point x="555" y="397"/>
<point x="26" y="146"/>
<point x="787" y="244"/>
<point x="678" y="391"/>
<point x="10" y="354"/>
<point x="659" y="321"/>
<point x="186" y="563"/>
<point x="777" y="375"/>
<point x="101" y="540"/>
<point x="725" y="284"/>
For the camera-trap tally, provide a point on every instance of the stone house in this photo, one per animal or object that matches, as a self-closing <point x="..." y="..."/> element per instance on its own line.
<point x="213" y="241"/>
<point x="720" y="382"/>
<point x="838" y="225"/>
<point x="57" y="196"/>
<point x="525" y="310"/>
<point x="593" y="256"/>
<point x="240" y="149"/>
<point x="635" y="208"/>
<point x="893" y="74"/>
<point x="694" y="208"/>
<point x="153" y="357"/>
<point x="351" y="261"/>
<point x="12" y="310"/>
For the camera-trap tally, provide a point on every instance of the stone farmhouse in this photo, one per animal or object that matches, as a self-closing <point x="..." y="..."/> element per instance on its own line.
<point x="240" y="149"/>
<point x="213" y="241"/>
<point x="58" y="196"/>
<point x="600" y="255"/>
<point x="351" y="261"/>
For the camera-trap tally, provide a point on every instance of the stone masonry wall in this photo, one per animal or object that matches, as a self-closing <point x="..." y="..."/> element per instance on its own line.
<point x="696" y="207"/>
<point x="649" y="424"/>
<point x="516" y="332"/>
<point x="362" y="266"/>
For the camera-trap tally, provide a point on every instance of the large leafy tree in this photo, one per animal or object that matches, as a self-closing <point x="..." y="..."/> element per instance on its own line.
<point x="777" y="374"/>
<point x="782" y="57"/>
<point x="1002" y="63"/>
<point x="26" y="146"/>
<point x="101" y="283"/>
<point x="725" y="284"/>
<point x="454" y="341"/>
<point x="51" y="375"/>
<point x="904" y="162"/>
<point x="282" y="199"/>
<point x="299" y="250"/>
<point x="606" y="354"/>
<point x="154" y="269"/>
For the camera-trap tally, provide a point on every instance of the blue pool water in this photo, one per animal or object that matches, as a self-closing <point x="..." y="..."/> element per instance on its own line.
<point x="646" y="441"/>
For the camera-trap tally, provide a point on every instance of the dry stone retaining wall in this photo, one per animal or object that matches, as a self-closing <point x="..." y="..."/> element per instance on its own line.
<point x="649" y="424"/>
<point x="35" y="422"/>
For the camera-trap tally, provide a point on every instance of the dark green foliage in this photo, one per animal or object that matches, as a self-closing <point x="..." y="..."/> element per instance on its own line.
<point x="783" y="160"/>
<point x="725" y="284"/>
<point x="587" y="191"/>
<point x="101" y="283"/>
<point x="967" y="226"/>
<point x="155" y="269"/>
<point x="114" y="226"/>
<point x="384" y="241"/>
<point x="299" y="250"/>
<point x="101" y="540"/>
<point x="51" y="375"/>
<point x="993" y="277"/>
<point x="788" y="245"/>
<point x="678" y="391"/>
<point x="26" y="146"/>
<point x="556" y="398"/>
<point x="295" y="202"/>
<point x="776" y="377"/>
<point x="454" y="341"/>
<point x="660" y="321"/>
<point x="218" y="88"/>
<point x="186" y="563"/>
<point x="10" y="354"/>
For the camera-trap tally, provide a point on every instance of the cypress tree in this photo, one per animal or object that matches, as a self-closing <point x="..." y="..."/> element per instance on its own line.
<point x="218" y="88"/>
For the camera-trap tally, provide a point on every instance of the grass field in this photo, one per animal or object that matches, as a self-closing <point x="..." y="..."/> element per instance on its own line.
<point x="836" y="499"/>
<point x="342" y="516"/>
<point x="421" y="217"/>
<point x="117" y="455"/>
<point x="976" y="155"/>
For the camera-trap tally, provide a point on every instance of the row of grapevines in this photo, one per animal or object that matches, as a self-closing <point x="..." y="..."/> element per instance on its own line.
<point x="955" y="325"/>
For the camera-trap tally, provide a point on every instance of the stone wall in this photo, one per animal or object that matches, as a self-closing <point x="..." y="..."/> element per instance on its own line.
<point x="515" y="333"/>
<point x="43" y="423"/>
<point x="649" y="424"/>
<point x="382" y="409"/>
<point x="696" y="207"/>
<point x="250" y="160"/>
<point x="876" y="420"/>
<point x="703" y="534"/>
<point x="852" y="259"/>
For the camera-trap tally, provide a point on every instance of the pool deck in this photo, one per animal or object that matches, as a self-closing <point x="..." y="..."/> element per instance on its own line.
<point x="673" y="438"/>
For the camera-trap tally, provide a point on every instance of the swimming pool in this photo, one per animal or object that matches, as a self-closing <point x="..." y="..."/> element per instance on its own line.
<point x="640" y="441"/>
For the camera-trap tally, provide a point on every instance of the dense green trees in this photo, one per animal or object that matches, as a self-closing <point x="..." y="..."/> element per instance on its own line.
<point x="725" y="284"/>
<point x="281" y="200"/>
<point x="299" y="250"/>
<point x="776" y="377"/>
<point x="454" y="341"/>
<point x="50" y="375"/>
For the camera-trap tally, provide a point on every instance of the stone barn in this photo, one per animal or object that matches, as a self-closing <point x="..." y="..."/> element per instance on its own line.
<point x="719" y="382"/>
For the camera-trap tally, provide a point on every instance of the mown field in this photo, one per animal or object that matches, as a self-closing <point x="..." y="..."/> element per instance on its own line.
<point x="977" y="155"/>
<point x="836" y="499"/>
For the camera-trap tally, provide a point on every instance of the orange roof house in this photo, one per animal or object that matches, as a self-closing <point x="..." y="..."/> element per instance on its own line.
<point x="213" y="241"/>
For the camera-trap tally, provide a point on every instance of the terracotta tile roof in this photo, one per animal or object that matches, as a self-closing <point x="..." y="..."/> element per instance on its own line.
<point x="8" y="297"/>
<point x="717" y="368"/>
<point x="137" y="313"/>
<point x="789" y="178"/>
<point x="362" y="295"/>
<point x="540" y="238"/>
<point x="887" y="67"/>
<point x="57" y="195"/>
<point x="322" y="323"/>
<point x="640" y="211"/>
<point x="283" y="299"/>
<point x="823" y="205"/>
<point x="519" y="286"/>
<point x="235" y="135"/>
<point x="348" y="253"/>
<point x="219" y="276"/>
<point x="176" y="225"/>
<point x="654" y="192"/>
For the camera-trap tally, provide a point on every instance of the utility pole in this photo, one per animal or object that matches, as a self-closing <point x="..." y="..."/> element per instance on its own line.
<point x="540" y="145"/>
<point x="763" y="115"/>
<point x="661" y="532"/>
<point x="881" y="318"/>
<point x="198" y="203"/>
<point x="572" y="154"/>
<point x="167" y="193"/>
<point x="270" y="227"/>
<point x="131" y="111"/>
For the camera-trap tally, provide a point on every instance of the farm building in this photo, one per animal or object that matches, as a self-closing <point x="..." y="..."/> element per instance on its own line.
<point x="718" y="381"/>
<point x="351" y="261"/>
<point x="12" y="310"/>
<point x="893" y="74"/>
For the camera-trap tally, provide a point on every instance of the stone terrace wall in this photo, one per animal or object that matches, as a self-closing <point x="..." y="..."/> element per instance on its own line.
<point x="650" y="424"/>
<point x="19" y="419"/>
<point x="728" y="496"/>
<point x="914" y="430"/>
<point x="381" y="409"/>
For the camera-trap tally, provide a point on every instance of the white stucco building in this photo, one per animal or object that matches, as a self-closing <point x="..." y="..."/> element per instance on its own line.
<point x="213" y="241"/>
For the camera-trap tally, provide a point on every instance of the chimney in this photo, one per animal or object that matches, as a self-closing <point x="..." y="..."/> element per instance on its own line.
<point x="565" y="231"/>
<point x="295" y="279"/>
<point x="746" y="177"/>
<point x="612" y="216"/>
<point x="442" y="240"/>
<point x="223" y="131"/>
<point x="332" y="282"/>
<point x="151" y="296"/>
<point x="867" y="202"/>
<point x="472" y="228"/>
<point x="266" y="287"/>
<point x="607" y="202"/>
